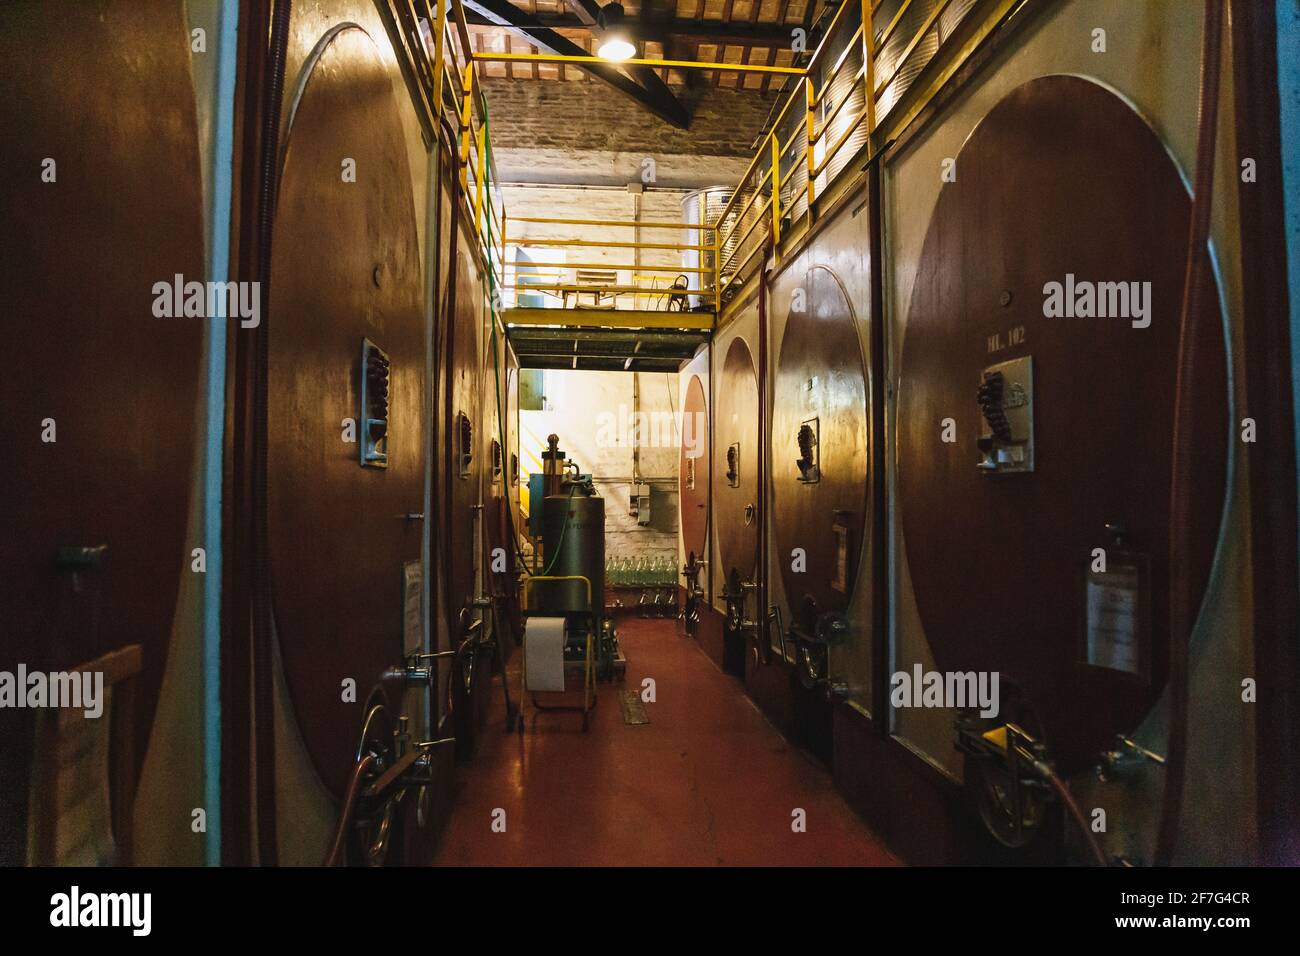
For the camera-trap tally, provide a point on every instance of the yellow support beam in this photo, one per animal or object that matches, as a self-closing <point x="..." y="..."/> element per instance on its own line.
<point x="611" y="245"/>
<point x="628" y="223"/>
<point x="675" y="64"/>
<point x="608" y="318"/>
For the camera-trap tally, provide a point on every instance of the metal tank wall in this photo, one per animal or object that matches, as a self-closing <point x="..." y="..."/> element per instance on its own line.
<point x="378" y="283"/>
<point x="694" y="538"/>
<point x="90" y="259"/>
<point x="339" y="56"/>
<point x="743" y="326"/>
<point x="1152" y="61"/>
<point x="840" y="250"/>
<point x="908" y="782"/>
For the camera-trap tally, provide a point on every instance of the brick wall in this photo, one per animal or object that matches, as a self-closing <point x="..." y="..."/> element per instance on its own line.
<point x="554" y="132"/>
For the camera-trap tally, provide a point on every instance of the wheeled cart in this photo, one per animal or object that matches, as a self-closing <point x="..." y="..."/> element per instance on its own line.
<point x="588" y="660"/>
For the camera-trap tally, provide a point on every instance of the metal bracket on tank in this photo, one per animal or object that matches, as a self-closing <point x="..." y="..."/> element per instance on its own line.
<point x="690" y="613"/>
<point x="809" y="439"/>
<point x="1006" y="401"/>
<point x="1125" y="760"/>
<point x="812" y="651"/>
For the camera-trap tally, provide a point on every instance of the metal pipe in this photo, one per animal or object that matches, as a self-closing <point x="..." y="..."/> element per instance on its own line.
<point x="1182" y="615"/>
<point x="219" y="205"/>
<point x="335" y="855"/>
<point x="263" y="651"/>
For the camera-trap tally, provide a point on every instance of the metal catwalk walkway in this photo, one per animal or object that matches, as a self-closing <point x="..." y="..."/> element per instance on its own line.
<point x="623" y="340"/>
<point x="707" y="782"/>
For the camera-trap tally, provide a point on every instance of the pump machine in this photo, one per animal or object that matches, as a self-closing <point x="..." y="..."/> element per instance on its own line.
<point x="567" y="637"/>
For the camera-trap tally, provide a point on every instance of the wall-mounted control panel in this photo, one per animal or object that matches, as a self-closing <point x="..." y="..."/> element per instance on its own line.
<point x="1006" y="404"/>
<point x="375" y="371"/>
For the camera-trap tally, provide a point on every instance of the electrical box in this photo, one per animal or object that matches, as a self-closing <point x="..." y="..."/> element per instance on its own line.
<point x="1006" y="403"/>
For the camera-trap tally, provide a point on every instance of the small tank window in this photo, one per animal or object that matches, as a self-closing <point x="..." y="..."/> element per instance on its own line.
<point x="375" y="369"/>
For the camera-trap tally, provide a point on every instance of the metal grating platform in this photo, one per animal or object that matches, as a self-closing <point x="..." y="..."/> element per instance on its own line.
<point x="605" y="339"/>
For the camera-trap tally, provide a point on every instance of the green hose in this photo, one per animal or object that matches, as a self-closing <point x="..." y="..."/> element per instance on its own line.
<point x="496" y="354"/>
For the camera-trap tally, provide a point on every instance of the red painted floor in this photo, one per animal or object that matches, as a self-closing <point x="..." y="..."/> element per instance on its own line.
<point x="707" y="782"/>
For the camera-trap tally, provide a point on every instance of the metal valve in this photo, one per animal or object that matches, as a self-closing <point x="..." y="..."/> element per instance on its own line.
<point x="1124" y="760"/>
<point x="414" y="670"/>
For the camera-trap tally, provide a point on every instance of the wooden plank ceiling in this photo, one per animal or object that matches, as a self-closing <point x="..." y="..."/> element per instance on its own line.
<point x="723" y="31"/>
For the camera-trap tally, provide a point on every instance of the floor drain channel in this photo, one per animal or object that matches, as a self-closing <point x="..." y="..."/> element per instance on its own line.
<point x="633" y="708"/>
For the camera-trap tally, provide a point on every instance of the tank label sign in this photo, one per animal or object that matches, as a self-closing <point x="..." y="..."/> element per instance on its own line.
<point x="1014" y="336"/>
<point x="1113" y="620"/>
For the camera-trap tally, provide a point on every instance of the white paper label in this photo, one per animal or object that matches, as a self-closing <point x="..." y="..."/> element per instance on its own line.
<point x="1113" y="620"/>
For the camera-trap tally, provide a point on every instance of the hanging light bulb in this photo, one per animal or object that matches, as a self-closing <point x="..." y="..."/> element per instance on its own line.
<point x="615" y="43"/>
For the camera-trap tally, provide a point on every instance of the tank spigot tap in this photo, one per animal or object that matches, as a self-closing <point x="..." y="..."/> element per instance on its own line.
<point x="1124" y="759"/>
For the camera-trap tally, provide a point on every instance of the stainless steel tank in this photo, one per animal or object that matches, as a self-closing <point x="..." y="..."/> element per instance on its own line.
<point x="573" y="541"/>
<point x="702" y="207"/>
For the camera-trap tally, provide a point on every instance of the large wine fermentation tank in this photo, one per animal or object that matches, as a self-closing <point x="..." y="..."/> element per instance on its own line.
<point x="1004" y="526"/>
<point x="702" y="207"/>
<point x="1067" y="412"/>
<point x="736" y="498"/>
<point x="339" y="344"/>
<point x="104" y="198"/>
<point x="819" y="453"/>
<point x="693" y="470"/>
